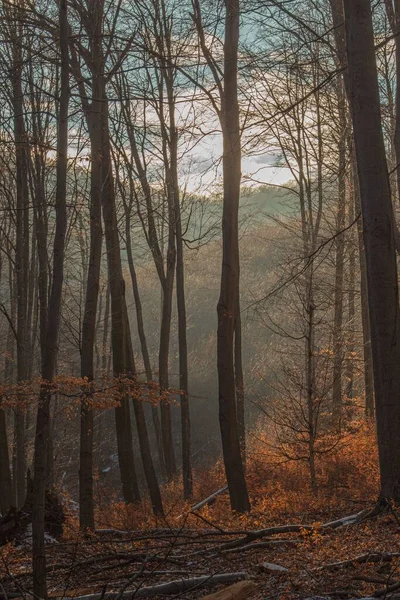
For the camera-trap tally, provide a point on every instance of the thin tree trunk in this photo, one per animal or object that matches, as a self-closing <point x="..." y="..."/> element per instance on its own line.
<point x="366" y="330"/>
<point x="49" y="351"/>
<point x="5" y="473"/>
<point x="183" y="358"/>
<point x="350" y="347"/>
<point x="21" y="253"/>
<point x="176" y="224"/>
<point x="338" y="346"/>
<point x="163" y="360"/>
<point x="86" y="500"/>
<point x="229" y="291"/>
<point x="105" y="352"/>
<point x="119" y="325"/>
<point x="239" y="384"/>
<point x="310" y="377"/>
<point x="166" y="277"/>
<point x="143" y="341"/>
<point x="144" y="444"/>
<point x="9" y="368"/>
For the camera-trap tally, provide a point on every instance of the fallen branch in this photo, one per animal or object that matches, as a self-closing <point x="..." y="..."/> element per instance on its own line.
<point x="364" y="558"/>
<point x="265" y="544"/>
<point x="209" y="500"/>
<point x="387" y="589"/>
<point x="331" y="525"/>
<point x="164" y="589"/>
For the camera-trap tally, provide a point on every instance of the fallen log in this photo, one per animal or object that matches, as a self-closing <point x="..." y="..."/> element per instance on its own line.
<point x="237" y="591"/>
<point x="209" y="500"/>
<point x="251" y="536"/>
<point x="372" y="557"/>
<point x="386" y="590"/>
<point x="170" y="588"/>
<point x="266" y="544"/>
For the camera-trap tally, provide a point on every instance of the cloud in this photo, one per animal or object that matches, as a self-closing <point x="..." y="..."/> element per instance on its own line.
<point x="265" y="159"/>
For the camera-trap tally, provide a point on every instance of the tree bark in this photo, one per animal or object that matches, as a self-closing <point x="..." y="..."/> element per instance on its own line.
<point x="229" y="290"/>
<point x="239" y="385"/>
<point x="183" y="361"/>
<point x="379" y="238"/>
<point x="163" y="361"/>
<point x="310" y="377"/>
<point x="86" y="500"/>
<point x="340" y="41"/>
<point x="351" y="279"/>
<point x="176" y="225"/>
<point x="366" y="329"/>
<point x="96" y="62"/>
<point x="338" y="342"/>
<point x="5" y="473"/>
<point x="393" y="13"/>
<point x="21" y="251"/>
<point x="49" y="351"/>
<point x="119" y="325"/>
<point x="142" y="337"/>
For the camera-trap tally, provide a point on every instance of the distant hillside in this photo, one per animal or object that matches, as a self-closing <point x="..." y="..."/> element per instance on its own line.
<point x="267" y="200"/>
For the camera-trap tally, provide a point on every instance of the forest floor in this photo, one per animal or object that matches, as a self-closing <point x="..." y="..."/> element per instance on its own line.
<point x="289" y="545"/>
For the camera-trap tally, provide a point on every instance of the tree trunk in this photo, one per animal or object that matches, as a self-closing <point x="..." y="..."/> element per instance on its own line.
<point x="142" y="338"/>
<point x="175" y="215"/>
<point x="21" y="253"/>
<point x="86" y="500"/>
<point x="229" y="291"/>
<point x="5" y="473"/>
<point x="183" y="358"/>
<point x="239" y="384"/>
<point x="379" y="238"/>
<point x="119" y="325"/>
<point x="338" y="345"/>
<point x="310" y="376"/>
<point x="144" y="444"/>
<point x="340" y="41"/>
<point x="98" y="119"/>
<point x="393" y="13"/>
<point x="165" y="334"/>
<point x="166" y="277"/>
<point x="366" y="330"/>
<point x="49" y="351"/>
<point x="351" y="278"/>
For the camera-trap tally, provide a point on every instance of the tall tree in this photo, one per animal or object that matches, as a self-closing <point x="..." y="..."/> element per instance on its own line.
<point x="49" y="350"/>
<point x="228" y="302"/>
<point x="229" y="382"/>
<point x="393" y="12"/>
<point x="96" y="113"/>
<point x="93" y="113"/>
<point x="122" y="351"/>
<point x="22" y="241"/>
<point x="379" y="238"/>
<point x="337" y="10"/>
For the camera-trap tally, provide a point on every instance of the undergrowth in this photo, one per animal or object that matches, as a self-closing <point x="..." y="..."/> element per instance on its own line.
<point x="279" y="489"/>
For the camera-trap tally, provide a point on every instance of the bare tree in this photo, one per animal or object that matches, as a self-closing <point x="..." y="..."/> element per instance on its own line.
<point x="228" y="303"/>
<point x="379" y="237"/>
<point x="49" y="350"/>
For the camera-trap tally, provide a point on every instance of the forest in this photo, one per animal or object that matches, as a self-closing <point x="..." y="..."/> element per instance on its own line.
<point x="199" y="299"/>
